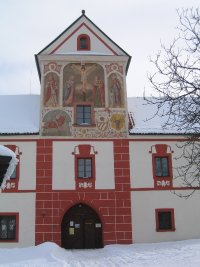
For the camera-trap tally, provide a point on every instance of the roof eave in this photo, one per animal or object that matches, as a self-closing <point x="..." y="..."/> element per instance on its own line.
<point x="25" y="133"/>
<point x="83" y="15"/>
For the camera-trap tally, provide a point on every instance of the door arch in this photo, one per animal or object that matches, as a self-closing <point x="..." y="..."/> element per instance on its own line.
<point x="81" y="228"/>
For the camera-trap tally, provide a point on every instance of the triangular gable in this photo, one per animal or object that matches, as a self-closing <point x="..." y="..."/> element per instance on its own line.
<point x="63" y="43"/>
<point x="66" y="42"/>
<point x="69" y="44"/>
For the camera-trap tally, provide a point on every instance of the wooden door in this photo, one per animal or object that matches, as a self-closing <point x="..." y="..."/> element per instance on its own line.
<point x="81" y="228"/>
<point x="89" y="233"/>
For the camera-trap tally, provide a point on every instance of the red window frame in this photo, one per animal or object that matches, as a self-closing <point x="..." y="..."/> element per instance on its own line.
<point x="7" y="214"/>
<point x="85" y="152"/>
<point x="87" y="41"/>
<point x="172" y="220"/>
<point x="12" y="184"/>
<point x="162" y="151"/>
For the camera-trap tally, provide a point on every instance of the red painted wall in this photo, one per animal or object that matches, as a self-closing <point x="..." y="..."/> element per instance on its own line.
<point x="113" y="206"/>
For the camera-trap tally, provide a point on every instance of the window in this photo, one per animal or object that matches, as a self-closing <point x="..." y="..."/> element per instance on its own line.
<point x="83" y="42"/>
<point x="14" y="174"/>
<point x="83" y="115"/>
<point x="84" y="168"/>
<point x="165" y="220"/>
<point x="162" y="166"/>
<point x="9" y="227"/>
<point x="4" y="164"/>
<point x="84" y="160"/>
<point x="12" y="184"/>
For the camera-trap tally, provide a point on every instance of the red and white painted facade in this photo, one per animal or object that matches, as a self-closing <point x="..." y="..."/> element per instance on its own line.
<point x="123" y="189"/>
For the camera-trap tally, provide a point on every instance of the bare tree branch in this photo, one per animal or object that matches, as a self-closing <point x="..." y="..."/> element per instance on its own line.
<point x="176" y="84"/>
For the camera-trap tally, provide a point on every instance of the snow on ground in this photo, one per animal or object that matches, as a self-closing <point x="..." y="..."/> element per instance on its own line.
<point x="176" y="254"/>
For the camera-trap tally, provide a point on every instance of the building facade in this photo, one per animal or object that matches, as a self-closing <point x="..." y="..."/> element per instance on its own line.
<point x="84" y="179"/>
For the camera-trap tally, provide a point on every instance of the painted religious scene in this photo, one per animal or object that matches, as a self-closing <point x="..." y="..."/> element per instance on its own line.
<point x="116" y="90"/>
<point x="51" y="90"/>
<point x="83" y="83"/>
<point x="87" y="102"/>
<point x="56" y="123"/>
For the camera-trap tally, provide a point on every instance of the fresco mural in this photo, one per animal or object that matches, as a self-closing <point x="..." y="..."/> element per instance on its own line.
<point x="83" y="83"/>
<point x="52" y="66"/>
<point x="56" y="123"/>
<point x="117" y="121"/>
<point x="116" y="90"/>
<point x="114" y="67"/>
<point x="51" y="90"/>
<point x="108" y="125"/>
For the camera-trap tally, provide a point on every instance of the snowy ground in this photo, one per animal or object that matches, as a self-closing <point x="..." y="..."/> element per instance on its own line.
<point x="177" y="254"/>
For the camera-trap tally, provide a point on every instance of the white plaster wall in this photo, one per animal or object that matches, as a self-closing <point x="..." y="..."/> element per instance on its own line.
<point x="104" y="165"/>
<point x="27" y="179"/>
<point x="141" y="169"/>
<point x="63" y="166"/>
<point x="24" y="204"/>
<point x="74" y="28"/>
<point x="64" y="169"/>
<point x="70" y="46"/>
<point x="140" y="164"/>
<point x="186" y="213"/>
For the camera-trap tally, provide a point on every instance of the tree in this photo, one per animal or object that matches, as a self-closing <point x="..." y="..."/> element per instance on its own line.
<point x="176" y="84"/>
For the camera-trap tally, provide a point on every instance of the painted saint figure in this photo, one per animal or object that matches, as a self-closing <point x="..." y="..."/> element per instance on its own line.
<point x="69" y="91"/>
<point x="115" y="91"/>
<point x="51" y="92"/>
<point x="98" y="91"/>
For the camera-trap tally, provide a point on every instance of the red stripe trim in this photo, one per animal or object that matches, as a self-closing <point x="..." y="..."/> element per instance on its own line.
<point x="19" y="191"/>
<point x="91" y="139"/>
<point x="164" y="189"/>
<point x="83" y="24"/>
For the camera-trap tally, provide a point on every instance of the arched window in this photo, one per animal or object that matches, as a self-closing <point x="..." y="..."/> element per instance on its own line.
<point x="83" y="42"/>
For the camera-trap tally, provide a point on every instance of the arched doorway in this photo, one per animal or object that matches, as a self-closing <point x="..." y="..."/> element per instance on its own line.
<point x="81" y="228"/>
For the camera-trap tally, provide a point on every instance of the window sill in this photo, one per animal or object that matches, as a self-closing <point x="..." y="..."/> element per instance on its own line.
<point x="83" y="49"/>
<point x="166" y="230"/>
<point x="84" y="125"/>
<point x="9" y="241"/>
<point x="80" y="179"/>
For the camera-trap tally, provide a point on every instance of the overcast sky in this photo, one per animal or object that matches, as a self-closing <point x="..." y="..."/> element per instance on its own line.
<point x="138" y="26"/>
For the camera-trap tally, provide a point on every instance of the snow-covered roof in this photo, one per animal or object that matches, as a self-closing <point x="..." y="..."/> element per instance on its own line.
<point x="19" y="114"/>
<point x="144" y="120"/>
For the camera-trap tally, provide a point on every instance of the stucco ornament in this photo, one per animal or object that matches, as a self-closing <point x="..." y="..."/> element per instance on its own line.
<point x="85" y="185"/>
<point x="163" y="183"/>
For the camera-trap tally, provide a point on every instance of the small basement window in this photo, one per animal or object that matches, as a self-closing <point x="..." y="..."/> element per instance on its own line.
<point x="165" y="220"/>
<point x="8" y="227"/>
